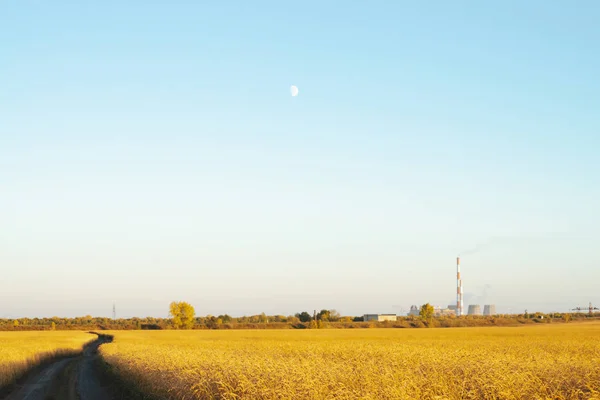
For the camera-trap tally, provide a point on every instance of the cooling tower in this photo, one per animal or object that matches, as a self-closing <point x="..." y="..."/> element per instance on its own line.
<point x="489" y="309"/>
<point x="474" y="309"/>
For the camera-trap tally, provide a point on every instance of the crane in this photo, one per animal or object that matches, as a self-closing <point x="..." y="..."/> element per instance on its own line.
<point x="590" y="309"/>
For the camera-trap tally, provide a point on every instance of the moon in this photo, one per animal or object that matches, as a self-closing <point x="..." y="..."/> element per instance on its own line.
<point x="294" y="90"/>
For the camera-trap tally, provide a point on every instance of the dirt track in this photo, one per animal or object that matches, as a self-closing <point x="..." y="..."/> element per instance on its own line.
<point x="73" y="378"/>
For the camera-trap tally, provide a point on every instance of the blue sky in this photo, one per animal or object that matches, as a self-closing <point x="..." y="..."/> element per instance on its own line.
<point x="151" y="152"/>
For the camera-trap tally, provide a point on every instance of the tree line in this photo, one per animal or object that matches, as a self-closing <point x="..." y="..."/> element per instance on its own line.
<point x="183" y="316"/>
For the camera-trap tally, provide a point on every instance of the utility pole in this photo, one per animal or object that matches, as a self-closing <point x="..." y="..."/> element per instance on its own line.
<point x="114" y="311"/>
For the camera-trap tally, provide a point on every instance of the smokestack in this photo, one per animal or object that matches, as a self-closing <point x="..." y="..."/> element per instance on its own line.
<point x="459" y="290"/>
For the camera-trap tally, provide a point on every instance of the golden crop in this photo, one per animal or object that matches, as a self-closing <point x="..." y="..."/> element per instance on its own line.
<point x="20" y="351"/>
<point x="533" y="362"/>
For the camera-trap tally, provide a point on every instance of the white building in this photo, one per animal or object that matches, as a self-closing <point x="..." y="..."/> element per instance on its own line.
<point x="379" y="317"/>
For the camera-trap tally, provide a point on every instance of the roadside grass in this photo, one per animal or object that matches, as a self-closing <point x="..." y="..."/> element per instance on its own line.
<point x="21" y="352"/>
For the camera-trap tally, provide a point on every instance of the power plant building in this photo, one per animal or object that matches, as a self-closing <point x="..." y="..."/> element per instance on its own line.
<point x="379" y="317"/>
<point x="489" y="309"/>
<point x="474" y="309"/>
<point x="441" y="312"/>
<point x="437" y="311"/>
<point x="414" y="311"/>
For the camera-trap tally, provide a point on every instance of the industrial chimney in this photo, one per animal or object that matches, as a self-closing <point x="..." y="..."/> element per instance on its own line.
<point x="459" y="290"/>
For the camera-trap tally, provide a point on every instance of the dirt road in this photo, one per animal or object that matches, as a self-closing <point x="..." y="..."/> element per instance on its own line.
<point x="73" y="378"/>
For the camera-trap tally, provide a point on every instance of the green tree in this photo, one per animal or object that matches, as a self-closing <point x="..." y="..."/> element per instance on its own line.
<point x="304" y="316"/>
<point x="16" y="323"/>
<point x="426" y="311"/>
<point x="323" y="315"/>
<point x="225" y="318"/>
<point x="53" y="326"/>
<point x="182" y="314"/>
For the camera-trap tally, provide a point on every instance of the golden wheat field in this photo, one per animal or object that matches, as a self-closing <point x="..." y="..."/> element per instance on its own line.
<point x="536" y="362"/>
<point x="20" y="351"/>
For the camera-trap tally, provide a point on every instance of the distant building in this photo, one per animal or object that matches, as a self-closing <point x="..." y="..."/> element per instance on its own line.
<point x="474" y="309"/>
<point x="489" y="309"/>
<point x="440" y="312"/>
<point x="437" y="311"/>
<point x="414" y="310"/>
<point x="379" y="317"/>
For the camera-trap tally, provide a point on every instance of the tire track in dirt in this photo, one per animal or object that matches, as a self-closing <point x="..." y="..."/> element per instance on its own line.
<point x="72" y="378"/>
